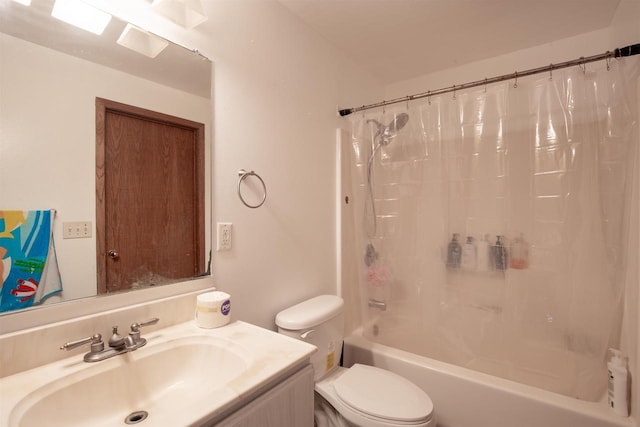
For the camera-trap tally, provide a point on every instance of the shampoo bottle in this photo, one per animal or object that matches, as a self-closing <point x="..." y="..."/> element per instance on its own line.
<point x="519" y="253"/>
<point x="483" y="253"/>
<point x="468" y="258"/>
<point x="618" y="393"/>
<point x="454" y="252"/>
<point x="499" y="255"/>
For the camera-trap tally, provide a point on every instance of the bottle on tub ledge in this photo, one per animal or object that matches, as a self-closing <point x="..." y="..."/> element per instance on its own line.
<point x="483" y="254"/>
<point x="500" y="257"/>
<point x="519" y="253"/>
<point x="454" y="252"/>
<point x="468" y="259"/>
<point x="618" y="390"/>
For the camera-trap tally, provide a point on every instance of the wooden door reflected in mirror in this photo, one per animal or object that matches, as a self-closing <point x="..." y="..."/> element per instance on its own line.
<point x="149" y="197"/>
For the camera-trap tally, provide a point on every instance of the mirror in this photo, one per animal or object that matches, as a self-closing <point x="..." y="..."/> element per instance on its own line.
<point x="51" y="75"/>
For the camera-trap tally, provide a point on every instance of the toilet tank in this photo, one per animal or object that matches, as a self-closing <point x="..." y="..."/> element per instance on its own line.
<point x="318" y="321"/>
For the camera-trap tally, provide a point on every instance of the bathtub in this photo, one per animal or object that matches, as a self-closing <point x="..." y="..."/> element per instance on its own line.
<point x="465" y="398"/>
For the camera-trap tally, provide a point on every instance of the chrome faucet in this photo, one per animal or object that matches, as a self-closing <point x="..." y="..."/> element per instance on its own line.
<point x="118" y="344"/>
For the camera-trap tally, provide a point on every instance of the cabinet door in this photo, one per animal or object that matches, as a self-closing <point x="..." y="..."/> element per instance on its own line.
<point x="289" y="404"/>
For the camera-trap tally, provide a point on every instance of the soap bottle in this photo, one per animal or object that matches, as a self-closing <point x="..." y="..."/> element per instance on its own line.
<point x="468" y="257"/>
<point x="519" y="253"/>
<point x="499" y="255"/>
<point x="618" y="392"/>
<point x="454" y="252"/>
<point x="483" y="253"/>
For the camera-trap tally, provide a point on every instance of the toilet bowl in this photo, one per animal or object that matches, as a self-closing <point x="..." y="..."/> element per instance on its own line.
<point x="369" y="396"/>
<point x="360" y="395"/>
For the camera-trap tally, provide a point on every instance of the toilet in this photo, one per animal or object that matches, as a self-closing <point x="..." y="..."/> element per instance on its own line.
<point x="362" y="395"/>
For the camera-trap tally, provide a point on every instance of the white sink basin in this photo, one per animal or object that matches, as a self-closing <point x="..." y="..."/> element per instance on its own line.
<point x="183" y="376"/>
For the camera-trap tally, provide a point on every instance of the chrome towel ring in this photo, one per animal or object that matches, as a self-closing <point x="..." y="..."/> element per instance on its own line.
<point x="243" y="174"/>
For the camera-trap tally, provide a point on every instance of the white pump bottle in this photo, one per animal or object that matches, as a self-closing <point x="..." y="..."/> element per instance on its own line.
<point x="618" y="393"/>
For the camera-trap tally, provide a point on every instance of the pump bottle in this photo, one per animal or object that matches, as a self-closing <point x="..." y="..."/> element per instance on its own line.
<point x="618" y="393"/>
<point x="454" y="252"/>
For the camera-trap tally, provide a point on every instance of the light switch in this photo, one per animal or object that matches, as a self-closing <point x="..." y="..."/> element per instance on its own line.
<point x="76" y="230"/>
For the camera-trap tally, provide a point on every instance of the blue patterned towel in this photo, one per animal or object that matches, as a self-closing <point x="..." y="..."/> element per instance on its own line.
<point x="29" y="268"/>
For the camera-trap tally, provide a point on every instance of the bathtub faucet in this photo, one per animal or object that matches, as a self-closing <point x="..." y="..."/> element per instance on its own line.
<point x="380" y="305"/>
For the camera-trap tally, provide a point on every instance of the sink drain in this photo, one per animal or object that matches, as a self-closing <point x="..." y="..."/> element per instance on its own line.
<point x="136" y="417"/>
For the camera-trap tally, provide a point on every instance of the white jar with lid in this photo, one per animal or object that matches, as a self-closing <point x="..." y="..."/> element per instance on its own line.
<point x="213" y="309"/>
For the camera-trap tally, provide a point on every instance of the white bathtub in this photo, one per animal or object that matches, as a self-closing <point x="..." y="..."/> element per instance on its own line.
<point x="465" y="398"/>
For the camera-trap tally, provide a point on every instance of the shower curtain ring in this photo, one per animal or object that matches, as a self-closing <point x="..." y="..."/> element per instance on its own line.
<point x="515" y="84"/>
<point x="485" y="85"/>
<point x="583" y="66"/>
<point x="607" y="60"/>
<point x="454" y="91"/>
<point x="429" y="97"/>
<point x="550" y="71"/>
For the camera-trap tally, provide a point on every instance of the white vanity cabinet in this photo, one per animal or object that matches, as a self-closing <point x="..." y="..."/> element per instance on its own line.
<point x="288" y="404"/>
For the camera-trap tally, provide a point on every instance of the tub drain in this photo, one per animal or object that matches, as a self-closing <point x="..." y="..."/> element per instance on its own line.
<point x="136" y="417"/>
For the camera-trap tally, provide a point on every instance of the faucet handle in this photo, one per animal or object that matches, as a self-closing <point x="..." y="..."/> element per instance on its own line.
<point x="135" y="327"/>
<point x="134" y="336"/>
<point x="95" y="340"/>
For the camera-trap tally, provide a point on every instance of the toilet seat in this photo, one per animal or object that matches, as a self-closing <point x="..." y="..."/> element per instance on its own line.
<point x="370" y="396"/>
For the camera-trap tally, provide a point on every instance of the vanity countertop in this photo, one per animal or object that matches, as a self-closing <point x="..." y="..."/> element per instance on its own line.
<point x="261" y="358"/>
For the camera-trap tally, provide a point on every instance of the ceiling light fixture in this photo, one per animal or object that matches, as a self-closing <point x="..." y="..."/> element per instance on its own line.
<point x="82" y="15"/>
<point x="142" y="41"/>
<point x="187" y="13"/>
<point x="24" y="2"/>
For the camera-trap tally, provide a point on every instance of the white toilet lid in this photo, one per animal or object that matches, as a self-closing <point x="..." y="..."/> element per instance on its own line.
<point x="383" y="394"/>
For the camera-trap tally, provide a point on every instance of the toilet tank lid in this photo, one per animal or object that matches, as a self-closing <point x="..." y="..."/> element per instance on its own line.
<point x="310" y="313"/>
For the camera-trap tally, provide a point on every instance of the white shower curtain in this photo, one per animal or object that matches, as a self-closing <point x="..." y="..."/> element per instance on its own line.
<point x="548" y="165"/>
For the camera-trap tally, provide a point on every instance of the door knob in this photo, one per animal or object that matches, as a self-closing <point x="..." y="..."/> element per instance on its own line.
<point x="113" y="254"/>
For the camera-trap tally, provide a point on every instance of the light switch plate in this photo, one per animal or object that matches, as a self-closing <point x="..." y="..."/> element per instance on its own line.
<point x="76" y="230"/>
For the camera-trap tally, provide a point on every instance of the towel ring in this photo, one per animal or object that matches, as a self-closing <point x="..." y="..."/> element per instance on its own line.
<point x="243" y="174"/>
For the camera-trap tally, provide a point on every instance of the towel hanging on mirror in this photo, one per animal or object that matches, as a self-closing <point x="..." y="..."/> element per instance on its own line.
<point x="29" y="267"/>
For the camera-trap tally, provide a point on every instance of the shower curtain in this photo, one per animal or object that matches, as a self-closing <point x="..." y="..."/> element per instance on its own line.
<point x="534" y="178"/>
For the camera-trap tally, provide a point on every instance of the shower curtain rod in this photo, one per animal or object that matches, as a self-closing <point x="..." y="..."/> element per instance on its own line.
<point x="617" y="53"/>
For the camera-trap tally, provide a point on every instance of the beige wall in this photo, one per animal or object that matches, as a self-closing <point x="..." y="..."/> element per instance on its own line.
<point x="277" y="87"/>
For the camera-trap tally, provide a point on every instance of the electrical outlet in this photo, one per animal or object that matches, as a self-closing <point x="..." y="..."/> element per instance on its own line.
<point x="76" y="230"/>
<point x="224" y="236"/>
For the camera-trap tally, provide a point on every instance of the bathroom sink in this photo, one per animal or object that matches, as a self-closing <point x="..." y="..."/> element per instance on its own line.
<point x="179" y="381"/>
<point x="167" y="374"/>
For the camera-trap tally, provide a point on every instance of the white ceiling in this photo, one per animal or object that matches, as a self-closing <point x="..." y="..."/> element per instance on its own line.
<point x="397" y="40"/>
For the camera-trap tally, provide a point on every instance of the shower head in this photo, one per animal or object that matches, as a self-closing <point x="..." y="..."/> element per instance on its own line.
<point x="387" y="133"/>
<point x="398" y="122"/>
